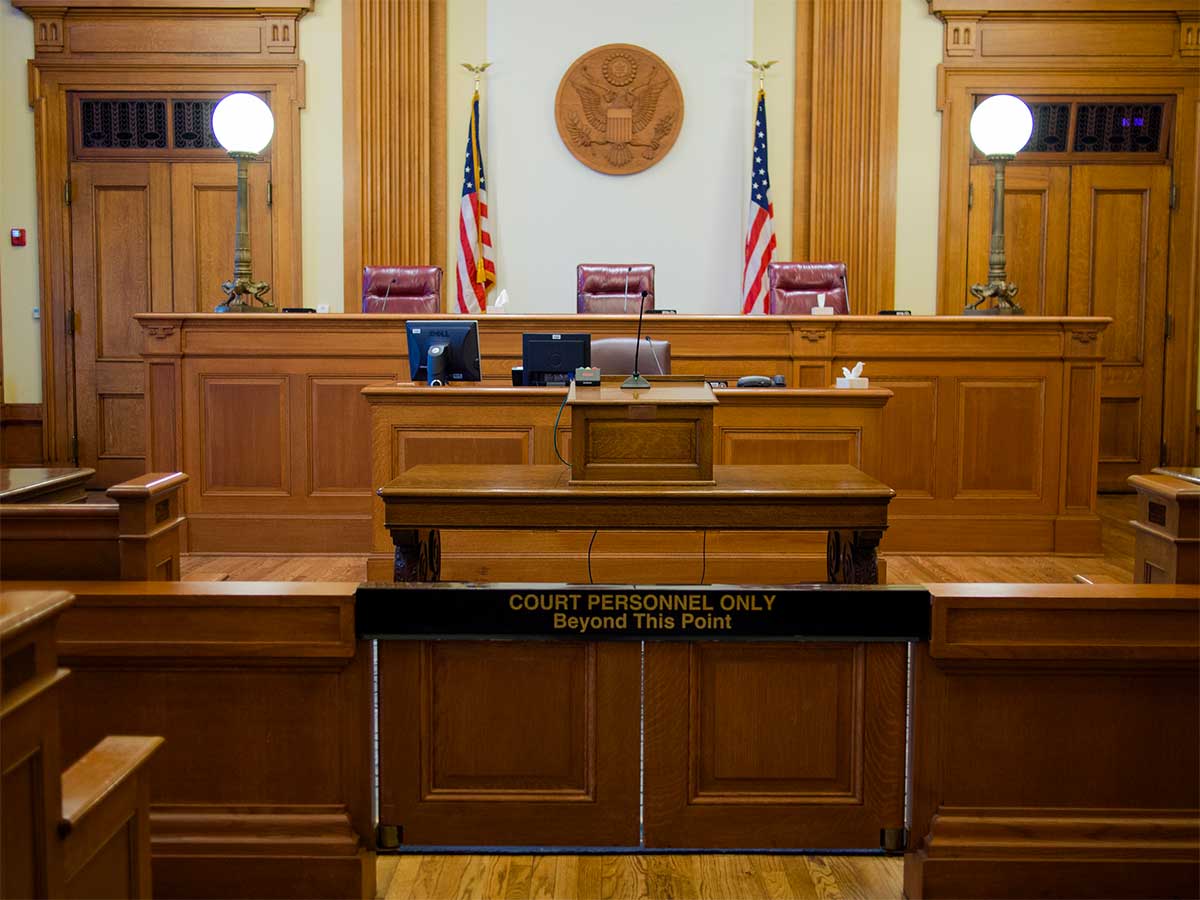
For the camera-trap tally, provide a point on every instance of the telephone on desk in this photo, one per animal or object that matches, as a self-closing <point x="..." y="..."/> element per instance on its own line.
<point x="761" y="381"/>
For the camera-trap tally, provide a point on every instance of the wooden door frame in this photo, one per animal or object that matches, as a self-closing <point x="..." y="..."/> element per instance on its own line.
<point x="50" y="83"/>
<point x="957" y="90"/>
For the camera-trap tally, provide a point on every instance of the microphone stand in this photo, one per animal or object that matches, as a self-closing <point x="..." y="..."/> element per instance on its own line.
<point x="636" y="380"/>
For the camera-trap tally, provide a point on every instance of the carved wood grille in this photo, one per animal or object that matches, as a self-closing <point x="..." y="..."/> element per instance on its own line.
<point x="1067" y="129"/>
<point x="123" y="124"/>
<point x="1051" y="128"/>
<point x="192" y="121"/>
<point x="164" y="126"/>
<point x="1118" y="127"/>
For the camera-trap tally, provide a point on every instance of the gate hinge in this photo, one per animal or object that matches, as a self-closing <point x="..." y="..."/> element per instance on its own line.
<point x="893" y="840"/>
<point x="1163" y="455"/>
<point x="72" y="322"/>
<point x="1170" y="327"/>
<point x="75" y="448"/>
<point x="970" y="195"/>
<point x="388" y="837"/>
<point x="270" y="193"/>
<point x="66" y="192"/>
<point x="1173" y="196"/>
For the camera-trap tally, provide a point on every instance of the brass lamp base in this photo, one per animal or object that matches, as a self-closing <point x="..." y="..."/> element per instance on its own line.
<point x="245" y="296"/>
<point x="239" y="306"/>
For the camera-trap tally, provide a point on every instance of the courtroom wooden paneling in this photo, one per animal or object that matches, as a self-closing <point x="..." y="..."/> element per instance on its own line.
<point x="394" y="140"/>
<point x="510" y="743"/>
<point x="132" y="534"/>
<point x="1103" y="50"/>
<point x="1027" y="457"/>
<point x="121" y="266"/>
<point x="150" y="48"/>
<point x="263" y="695"/>
<point x="20" y="434"/>
<point x="844" y="163"/>
<point x="814" y="733"/>
<point x="1055" y="743"/>
<point x="1118" y="269"/>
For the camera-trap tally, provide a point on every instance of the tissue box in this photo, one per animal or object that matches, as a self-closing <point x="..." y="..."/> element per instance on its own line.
<point x="822" y="311"/>
<point x="853" y="383"/>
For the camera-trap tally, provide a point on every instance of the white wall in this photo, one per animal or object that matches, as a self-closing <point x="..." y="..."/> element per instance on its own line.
<point x="685" y="214"/>
<point x="320" y="37"/>
<point x="18" y="209"/>
<point x="918" y="160"/>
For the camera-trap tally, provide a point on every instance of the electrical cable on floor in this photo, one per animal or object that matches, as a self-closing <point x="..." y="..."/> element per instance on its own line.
<point x="592" y="541"/>
<point x="554" y="434"/>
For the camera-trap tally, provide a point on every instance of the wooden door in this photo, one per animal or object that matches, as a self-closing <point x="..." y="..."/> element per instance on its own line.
<point x="753" y="745"/>
<point x="121" y="265"/>
<point x="1118" y="268"/>
<point x="204" y="209"/>
<point x="1036" y="208"/>
<point x="510" y="743"/>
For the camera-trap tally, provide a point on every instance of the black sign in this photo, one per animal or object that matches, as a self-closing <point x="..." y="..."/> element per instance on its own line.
<point x="458" y="611"/>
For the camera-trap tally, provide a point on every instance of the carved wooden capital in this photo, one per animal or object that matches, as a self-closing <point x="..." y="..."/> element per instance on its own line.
<point x="812" y="334"/>
<point x="1189" y="34"/>
<point x="160" y="332"/>
<point x="1084" y="337"/>
<point x="961" y="36"/>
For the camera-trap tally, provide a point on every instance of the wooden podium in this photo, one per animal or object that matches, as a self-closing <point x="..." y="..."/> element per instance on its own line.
<point x="652" y="435"/>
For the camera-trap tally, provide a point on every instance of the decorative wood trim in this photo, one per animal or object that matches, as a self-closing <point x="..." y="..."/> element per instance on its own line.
<point x="847" y="105"/>
<point x="394" y="145"/>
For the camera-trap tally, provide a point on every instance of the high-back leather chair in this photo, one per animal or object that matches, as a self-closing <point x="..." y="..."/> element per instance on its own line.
<point x="601" y="288"/>
<point x="793" y="287"/>
<point x="402" y="289"/>
<point x="614" y="356"/>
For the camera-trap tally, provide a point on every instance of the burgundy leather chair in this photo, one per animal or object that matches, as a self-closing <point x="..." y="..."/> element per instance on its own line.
<point x="793" y="287"/>
<point x="614" y="356"/>
<point x="402" y="289"/>
<point x="601" y="288"/>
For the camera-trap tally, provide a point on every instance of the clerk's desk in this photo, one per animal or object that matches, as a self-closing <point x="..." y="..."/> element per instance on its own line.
<point x="990" y="438"/>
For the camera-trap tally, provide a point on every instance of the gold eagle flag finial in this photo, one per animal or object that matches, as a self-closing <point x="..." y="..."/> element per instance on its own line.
<point x="476" y="70"/>
<point x="761" y="68"/>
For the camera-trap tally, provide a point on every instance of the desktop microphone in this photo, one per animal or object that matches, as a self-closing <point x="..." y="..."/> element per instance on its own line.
<point x="654" y="353"/>
<point x="636" y="380"/>
<point x="625" y="298"/>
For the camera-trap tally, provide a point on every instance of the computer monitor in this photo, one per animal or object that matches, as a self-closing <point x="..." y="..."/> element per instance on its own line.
<point x="443" y="351"/>
<point x="549" y="359"/>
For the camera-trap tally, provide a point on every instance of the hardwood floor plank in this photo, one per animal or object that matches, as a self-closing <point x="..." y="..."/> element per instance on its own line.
<point x="520" y="872"/>
<point x="385" y="869"/>
<point x="868" y="877"/>
<point x="473" y="880"/>
<point x="542" y="878"/>
<point x="416" y="876"/>
<point x="671" y="877"/>
<point x="623" y="877"/>
<point x="404" y="874"/>
<point x="799" y="877"/>
<point x="824" y="878"/>
<point x="589" y="876"/>
<point x="496" y="884"/>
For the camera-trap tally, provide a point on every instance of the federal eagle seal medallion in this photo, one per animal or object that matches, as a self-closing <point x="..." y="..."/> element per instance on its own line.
<point x="619" y="109"/>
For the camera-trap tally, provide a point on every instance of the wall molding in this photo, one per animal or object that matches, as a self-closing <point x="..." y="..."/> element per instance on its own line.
<point x="846" y="141"/>
<point x="394" y="143"/>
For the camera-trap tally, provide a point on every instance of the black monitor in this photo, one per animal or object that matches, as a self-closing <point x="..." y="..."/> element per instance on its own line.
<point x="443" y="351"/>
<point x="549" y="359"/>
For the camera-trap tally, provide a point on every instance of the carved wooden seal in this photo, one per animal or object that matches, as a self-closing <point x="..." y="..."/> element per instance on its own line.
<point x="619" y="109"/>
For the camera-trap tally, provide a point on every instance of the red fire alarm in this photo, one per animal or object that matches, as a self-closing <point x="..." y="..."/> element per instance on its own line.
<point x="18" y="237"/>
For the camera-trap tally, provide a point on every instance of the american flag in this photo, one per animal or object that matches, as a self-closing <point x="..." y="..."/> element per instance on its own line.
<point x="476" y="261"/>
<point x="760" y="224"/>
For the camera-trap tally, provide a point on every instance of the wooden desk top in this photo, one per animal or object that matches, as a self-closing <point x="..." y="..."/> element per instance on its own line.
<point x="41" y="484"/>
<point x="754" y="497"/>
<point x="1185" y="473"/>
<point x="21" y="610"/>
<point x="732" y="483"/>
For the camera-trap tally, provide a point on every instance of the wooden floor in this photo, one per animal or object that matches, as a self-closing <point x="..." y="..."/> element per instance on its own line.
<point x="726" y="876"/>
<point x="1114" y="567"/>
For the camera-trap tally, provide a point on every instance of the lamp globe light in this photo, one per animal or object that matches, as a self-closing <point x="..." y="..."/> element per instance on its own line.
<point x="1001" y="125"/>
<point x="243" y="123"/>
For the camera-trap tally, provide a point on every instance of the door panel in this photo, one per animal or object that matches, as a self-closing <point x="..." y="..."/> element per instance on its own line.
<point x="1118" y="265"/>
<point x="755" y="745"/>
<point x="204" y="204"/>
<point x="510" y="743"/>
<point x="121" y="265"/>
<point x="1036" y="206"/>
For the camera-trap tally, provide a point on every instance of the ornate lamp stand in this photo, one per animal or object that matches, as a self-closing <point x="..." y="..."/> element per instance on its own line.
<point x="1000" y="126"/>
<point x="243" y="125"/>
